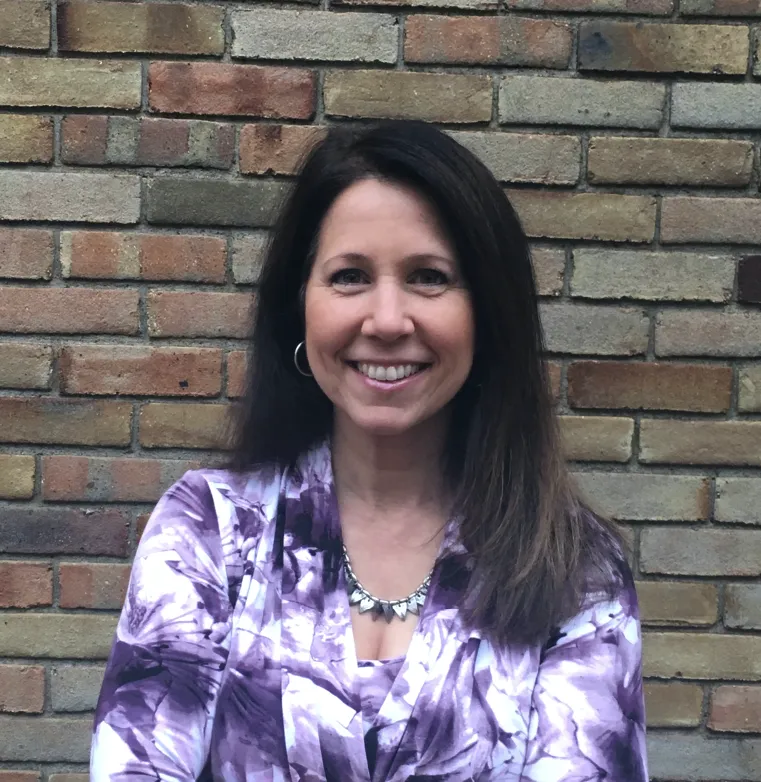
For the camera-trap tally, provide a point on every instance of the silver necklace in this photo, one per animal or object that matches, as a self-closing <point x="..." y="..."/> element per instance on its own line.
<point x="358" y="595"/>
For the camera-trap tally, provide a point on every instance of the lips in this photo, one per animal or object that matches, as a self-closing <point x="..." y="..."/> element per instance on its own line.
<point x="388" y="373"/>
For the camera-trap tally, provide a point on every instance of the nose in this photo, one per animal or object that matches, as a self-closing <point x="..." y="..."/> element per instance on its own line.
<point x="387" y="315"/>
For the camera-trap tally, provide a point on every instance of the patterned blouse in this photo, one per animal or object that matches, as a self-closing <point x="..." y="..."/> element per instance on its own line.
<point x="234" y="660"/>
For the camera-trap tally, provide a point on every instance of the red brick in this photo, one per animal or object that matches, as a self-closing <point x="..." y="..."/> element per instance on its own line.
<point x="25" y="24"/>
<point x="68" y="311"/>
<point x="236" y="373"/>
<point x="25" y="365"/>
<point x="221" y="88"/>
<point x="736" y="709"/>
<point x="26" y="253"/>
<point x="140" y="371"/>
<point x="22" y="776"/>
<point x="487" y="40"/>
<point x="191" y="314"/>
<point x="141" y="524"/>
<point x="86" y="585"/>
<point x="84" y="140"/>
<point x="22" y="689"/>
<point x="25" y="584"/>
<point x="174" y="425"/>
<point x="173" y="142"/>
<point x="143" y="256"/>
<point x="54" y="421"/>
<point x="703" y="388"/>
<point x="96" y="479"/>
<point x="275" y="149"/>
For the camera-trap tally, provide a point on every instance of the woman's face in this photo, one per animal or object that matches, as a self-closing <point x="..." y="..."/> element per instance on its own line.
<point x="389" y="322"/>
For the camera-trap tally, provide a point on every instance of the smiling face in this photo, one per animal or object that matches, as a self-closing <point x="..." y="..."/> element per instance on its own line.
<point x="389" y="321"/>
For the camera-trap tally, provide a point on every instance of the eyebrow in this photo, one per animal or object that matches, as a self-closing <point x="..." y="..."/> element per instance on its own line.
<point x="352" y="256"/>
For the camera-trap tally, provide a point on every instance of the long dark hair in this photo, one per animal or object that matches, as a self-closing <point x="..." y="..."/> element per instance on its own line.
<point x="537" y="550"/>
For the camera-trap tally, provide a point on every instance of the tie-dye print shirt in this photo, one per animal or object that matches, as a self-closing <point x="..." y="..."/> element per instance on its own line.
<point x="234" y="660"/>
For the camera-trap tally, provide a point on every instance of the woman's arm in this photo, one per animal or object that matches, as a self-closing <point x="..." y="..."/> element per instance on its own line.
<point x="587" y="715"/>
<point x="157" y="703"/>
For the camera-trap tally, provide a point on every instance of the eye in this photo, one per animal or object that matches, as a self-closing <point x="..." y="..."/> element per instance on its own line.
<point x="348" y="277"/>
<point x="429" y="277"/>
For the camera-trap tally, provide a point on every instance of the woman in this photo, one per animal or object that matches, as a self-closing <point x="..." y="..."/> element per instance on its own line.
<point x="395" y="580"/>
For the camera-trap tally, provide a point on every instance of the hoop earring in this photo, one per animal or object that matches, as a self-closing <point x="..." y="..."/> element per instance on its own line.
<point x="296" y="360"/>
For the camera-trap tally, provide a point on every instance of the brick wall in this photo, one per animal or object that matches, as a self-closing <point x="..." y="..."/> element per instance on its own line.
<point x="143" y="148"/>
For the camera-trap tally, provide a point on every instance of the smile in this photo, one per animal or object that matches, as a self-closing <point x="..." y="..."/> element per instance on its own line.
<point x="387" y="374"/>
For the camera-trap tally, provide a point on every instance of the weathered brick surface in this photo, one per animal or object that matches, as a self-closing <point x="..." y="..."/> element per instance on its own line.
<point x="468" y="5"/>
<point x="26" y="253"/>
<point x="139" y="371"/>
<point x="274" y="149"/>
<point x="222" y="88"/>
<point x="22" y="689"/>
<point x="436" y="97"/>
<point x="662" y="47"/>
<point x="673" y="704"/>
<point x="601" y="216"/>
<point x="25" y="584"/>
<point x="523" y="157"/>
<point x="75" y="688"/>
<point x="25" y="365"/>
<point x="703" y="332"/>
<point x="25" y="24"/>
<point x="706" y="552"/>
<point x="716" y="105"/>
<point x="687" y="757"/>
<point x="738" y="500"/>
<point x="646" y="496"/>
<point x="549" y="270"/>
<point x="711" y="220"/>
<point x="68" y="310"/>
<point x="56" y="636"/>
<point x="80" y="83"/>
<point x="51" y="739"/>
<point x="736" y="709"/>
<point x="167" y="425"/>
<point x="705" y="388"/>
<point x="656" y="276"/>
<point x="101" y="479"/>
<point x="537" y="43"/>
<point x="92" y="586"/>
<point x="172" y="28"/>
<point x="199" y="314"/>
<point x="247" y="257"/>
<point x="742" y="606"/>
<point x="16" y="477"/>
<point x="22" y="776"/>
<point x="543" y="100"/>
<point x="702" y="656"/>
<point x="669" y="161"/>
<point x="25" y="139"/>
<point x="236" y="373"/>
<point x="720" y="7"/>
<point x="749" y="279"/>
<point x="267" y="34"/>
<point x="655" y="7"/>
<point x="678" y="603"/>
<point x="597" y="438"/>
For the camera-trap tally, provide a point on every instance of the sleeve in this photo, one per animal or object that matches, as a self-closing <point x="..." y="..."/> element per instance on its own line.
<point x="156" y="706"/>
<point x="587" y="720"/>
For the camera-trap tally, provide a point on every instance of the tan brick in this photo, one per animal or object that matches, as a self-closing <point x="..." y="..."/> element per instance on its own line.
<point x="267" y="34"/>
<point x="140" y="371"/>
<point x="223" y="88"/>
<point x="57" y="636"/>
<point x="673" y="704"/>
<point x="69" y="197"/>
<point x="548" y="100"/>
<point x="597" y="438"/>
<point x="701" y="656"/>
<point x="25" y="139"/>
<point x="67" y="778"/>
<point x="86" y="585"/>
<point x="554" y="377"/>
<point x="749" y="400"/>
<point x="436" y="97"/>
<point x="720" y="7"/>
<point x="633" y="496"/>
<point x="167" y="425"/>
<point x="524" y="157"/>
<point x="25" y="584"/>
<point x="75" y="688"/>
<point x="700" y="552"/>
<point x="143" y="256"/>
<point x="275" y="149"/>
<point x="140" y="27"/>
<point x="198" y="314"/>
<point x="600" y="216"/>
<point x="468" y="5"/>
<point x="22" y="689"/>
<point x="669" y="161"/>
<point x="654" y="7"/>
<point x="236" y="373"/>
<point x="701" y="442"/>
<point x="21" y="776"/>
<point x="662" y="47"/>
<point x="25" y="24"/>
<point x="678" y="603"/>
<point x="742" y="606"/>
<point x="16" y="477"/>
<point x="96" y="479"/>
<point x="25" y="365"/>
<point x="487" y="40"/>
<point x="248" y="253"/>
<point x="549" y="270"/>
<point x="81" y="83"/>
<point x="738" y="500"/>
<point x="68" y="310"/>
<point x="704" y="388"/>
<point x="735" y="709"/>
<point x="45" y="739"/>
<point x="54" y="421"/>
<point x="591" y="329"/>
<point x="708" y="332"/>
<point x="26" y="253"/>
<point x="711" y="220"/>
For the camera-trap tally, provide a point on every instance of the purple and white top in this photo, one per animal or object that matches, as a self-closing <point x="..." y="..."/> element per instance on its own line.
<point x="234" y="659"/>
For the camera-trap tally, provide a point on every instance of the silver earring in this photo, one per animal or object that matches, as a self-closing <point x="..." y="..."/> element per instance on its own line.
<point x="296" y="360"/>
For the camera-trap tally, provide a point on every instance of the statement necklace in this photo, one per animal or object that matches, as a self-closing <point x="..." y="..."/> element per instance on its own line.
<point x="388" y="609"/>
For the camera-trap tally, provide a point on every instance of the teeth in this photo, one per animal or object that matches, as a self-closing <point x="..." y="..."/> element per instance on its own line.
<point x="389" y="374"/>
